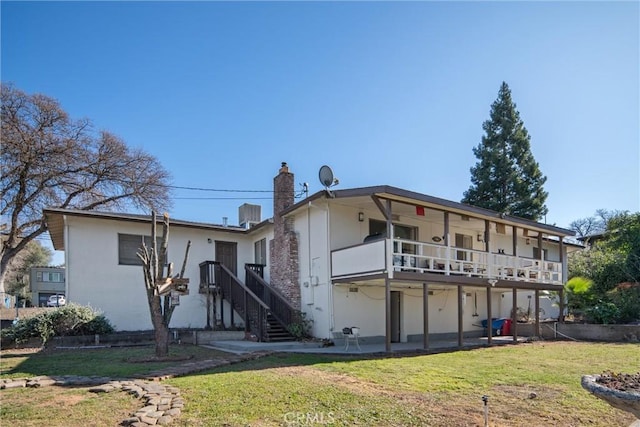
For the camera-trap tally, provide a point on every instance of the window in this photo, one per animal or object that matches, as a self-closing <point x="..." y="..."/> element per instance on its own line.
<point x="128" y="246"/>
<point x="49" y="276"/>
<point x="260" y="252"/>
<point x="536" y="253"/>
<point x="400" y="231"/>
<point x="465" y="242"/>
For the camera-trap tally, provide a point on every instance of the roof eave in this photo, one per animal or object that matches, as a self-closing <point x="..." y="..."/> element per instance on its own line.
<point x="394" y="193"/>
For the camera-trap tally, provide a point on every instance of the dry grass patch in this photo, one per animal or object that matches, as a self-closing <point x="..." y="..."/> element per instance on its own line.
<point x="64" y="406"/>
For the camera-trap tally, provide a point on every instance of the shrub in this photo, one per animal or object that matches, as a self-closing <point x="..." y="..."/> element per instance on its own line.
<point x="580" y="295"/>
<point x="70" y="320"/>
<point x="300" y="328"/>
<point x="628" y="302"/>
<point x="604" y="312"/>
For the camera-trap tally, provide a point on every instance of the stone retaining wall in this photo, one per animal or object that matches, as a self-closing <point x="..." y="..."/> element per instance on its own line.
<point x="583" y="331"/>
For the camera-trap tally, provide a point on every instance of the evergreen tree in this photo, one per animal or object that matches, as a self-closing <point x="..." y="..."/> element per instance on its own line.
<point x="506" y="178"/>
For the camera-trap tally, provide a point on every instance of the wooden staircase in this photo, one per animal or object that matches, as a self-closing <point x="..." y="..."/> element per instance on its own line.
<point x="265" y="312"/>
<point x="276" y="332"/>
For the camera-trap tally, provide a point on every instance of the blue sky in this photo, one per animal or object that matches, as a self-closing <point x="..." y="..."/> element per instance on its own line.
<point x="384" y="93"/>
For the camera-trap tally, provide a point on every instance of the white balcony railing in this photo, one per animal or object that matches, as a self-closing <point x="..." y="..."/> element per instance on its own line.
<point x="421" y="257"/>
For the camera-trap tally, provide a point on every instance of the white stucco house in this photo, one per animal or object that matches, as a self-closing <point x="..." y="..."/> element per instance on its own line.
<point x="400" y="265"/>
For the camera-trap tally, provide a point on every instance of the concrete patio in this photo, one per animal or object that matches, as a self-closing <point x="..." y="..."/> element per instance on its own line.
<point x="435" y="346"/>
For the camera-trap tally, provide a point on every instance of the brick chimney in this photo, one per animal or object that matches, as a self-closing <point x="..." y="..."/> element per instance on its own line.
<point x="283" y="249"/>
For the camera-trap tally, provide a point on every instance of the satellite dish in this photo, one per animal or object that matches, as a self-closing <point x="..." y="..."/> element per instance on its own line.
<point x="326" y="176"/>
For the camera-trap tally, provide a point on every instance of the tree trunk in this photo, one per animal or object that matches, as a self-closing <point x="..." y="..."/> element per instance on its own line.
<point x="4" y="263"/>
<point x="161" y="335"/>
<point x="153" y="265"/>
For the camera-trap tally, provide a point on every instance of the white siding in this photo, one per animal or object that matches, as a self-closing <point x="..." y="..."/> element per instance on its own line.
<point x="95" y="278"/>
<point x="311" y="225"/>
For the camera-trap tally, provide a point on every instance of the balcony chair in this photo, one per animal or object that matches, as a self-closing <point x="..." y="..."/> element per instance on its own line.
<point x="351" y="333"/>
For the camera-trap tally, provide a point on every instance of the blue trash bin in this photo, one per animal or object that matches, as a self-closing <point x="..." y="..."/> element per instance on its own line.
<point x="496" y="326"/>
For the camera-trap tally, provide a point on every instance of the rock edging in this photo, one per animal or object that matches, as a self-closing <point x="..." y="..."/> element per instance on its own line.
<point x="162" y="404"/>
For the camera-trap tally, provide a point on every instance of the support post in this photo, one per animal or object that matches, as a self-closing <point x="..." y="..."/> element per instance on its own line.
<point x="561" y="249"/>
<point x="489" y="316"/>
<point x="425" y="316"/>
<point x="561" y="305"/>
<point x="460" y="311"/>
<point x="447" y="242"/>
<point x="387" y="280"/>
<point x="387" y="310"/>
<point x="514" y="315"/>
<point x="537" y="296"/>
<point x="487" y="235"/>
<point x="232" y="309"/>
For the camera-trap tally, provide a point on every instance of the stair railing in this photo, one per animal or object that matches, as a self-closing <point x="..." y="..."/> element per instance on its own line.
<point x="240" y="297"/>
<point x="279" y="306"/>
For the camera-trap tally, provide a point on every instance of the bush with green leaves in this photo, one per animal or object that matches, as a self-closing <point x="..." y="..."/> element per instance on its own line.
<point x="580" y="295"/>
<point x="301" y="327"/>
<point x="604" y="312"/>
<point x="71" y="320"/>
<point x="612" y="266"/>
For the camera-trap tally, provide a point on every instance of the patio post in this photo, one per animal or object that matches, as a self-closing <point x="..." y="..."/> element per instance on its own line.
<point x="425" y="316"/>
<point x="387" y="309"/>
<point x="514" y="315"/>
<point x="489" y="323"/>
<point x="537" y="296"/>
<point x="460" y="308"/>
<point x="387" y="280"/>
<point x="447" y="242"/>
<point x="561" y="305"/>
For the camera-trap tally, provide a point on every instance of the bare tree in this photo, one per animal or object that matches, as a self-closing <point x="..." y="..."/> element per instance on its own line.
<point x="162" y="290"/>
<point x="50" y="160"/>
<point x="594" y="224"/>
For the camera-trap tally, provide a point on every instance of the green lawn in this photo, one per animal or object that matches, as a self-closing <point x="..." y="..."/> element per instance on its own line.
<point x="535" y="384"/>
<point x="111" y="362"/>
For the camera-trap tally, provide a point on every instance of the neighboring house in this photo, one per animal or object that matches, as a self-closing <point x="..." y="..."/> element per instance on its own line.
<point x="400" y="265"/>
<point x="45" y="282"/>
<point x="592" y="239"/>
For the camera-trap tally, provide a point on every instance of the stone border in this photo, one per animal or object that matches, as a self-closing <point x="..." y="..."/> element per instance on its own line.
<point x="624" y="400"/>
<point x="162" y="403"/>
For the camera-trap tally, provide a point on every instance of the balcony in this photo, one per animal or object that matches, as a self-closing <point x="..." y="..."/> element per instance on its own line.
<point x="399" y="255"/>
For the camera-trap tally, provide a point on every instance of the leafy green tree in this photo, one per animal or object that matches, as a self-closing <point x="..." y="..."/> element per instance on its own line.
<point x="34" y="254"/>
<point x="613" y="265"/>
<point x="506" y="178"/>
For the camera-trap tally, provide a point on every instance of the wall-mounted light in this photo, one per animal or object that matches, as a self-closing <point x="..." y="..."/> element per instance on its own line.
<point x="528" y="241"/>
<point x="437" y="239"/>
<point x="209" y="241"/>
<point x="480" y="237"/>
<point x="361" y="216"/>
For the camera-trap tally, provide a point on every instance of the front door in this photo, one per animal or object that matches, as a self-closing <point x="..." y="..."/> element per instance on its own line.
<point x="396" y="315"/>
<point x="227" y="255"/>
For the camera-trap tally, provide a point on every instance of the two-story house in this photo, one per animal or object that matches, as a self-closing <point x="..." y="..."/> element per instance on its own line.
<point x="400" y="265"/>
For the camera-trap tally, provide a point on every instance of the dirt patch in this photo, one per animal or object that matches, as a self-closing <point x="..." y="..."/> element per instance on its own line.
<point x="509" y="405"/>
<point x="528" y="392"/>
<point x="68" y="399"/>
<point x="429" y="405"/>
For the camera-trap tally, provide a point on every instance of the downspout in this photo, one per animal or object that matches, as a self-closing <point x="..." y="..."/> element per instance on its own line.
<point x="329" y="283"/>
<point x="310" y="258"/>
<point x="330" y="304"/>
<point x="66" y="256"/>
